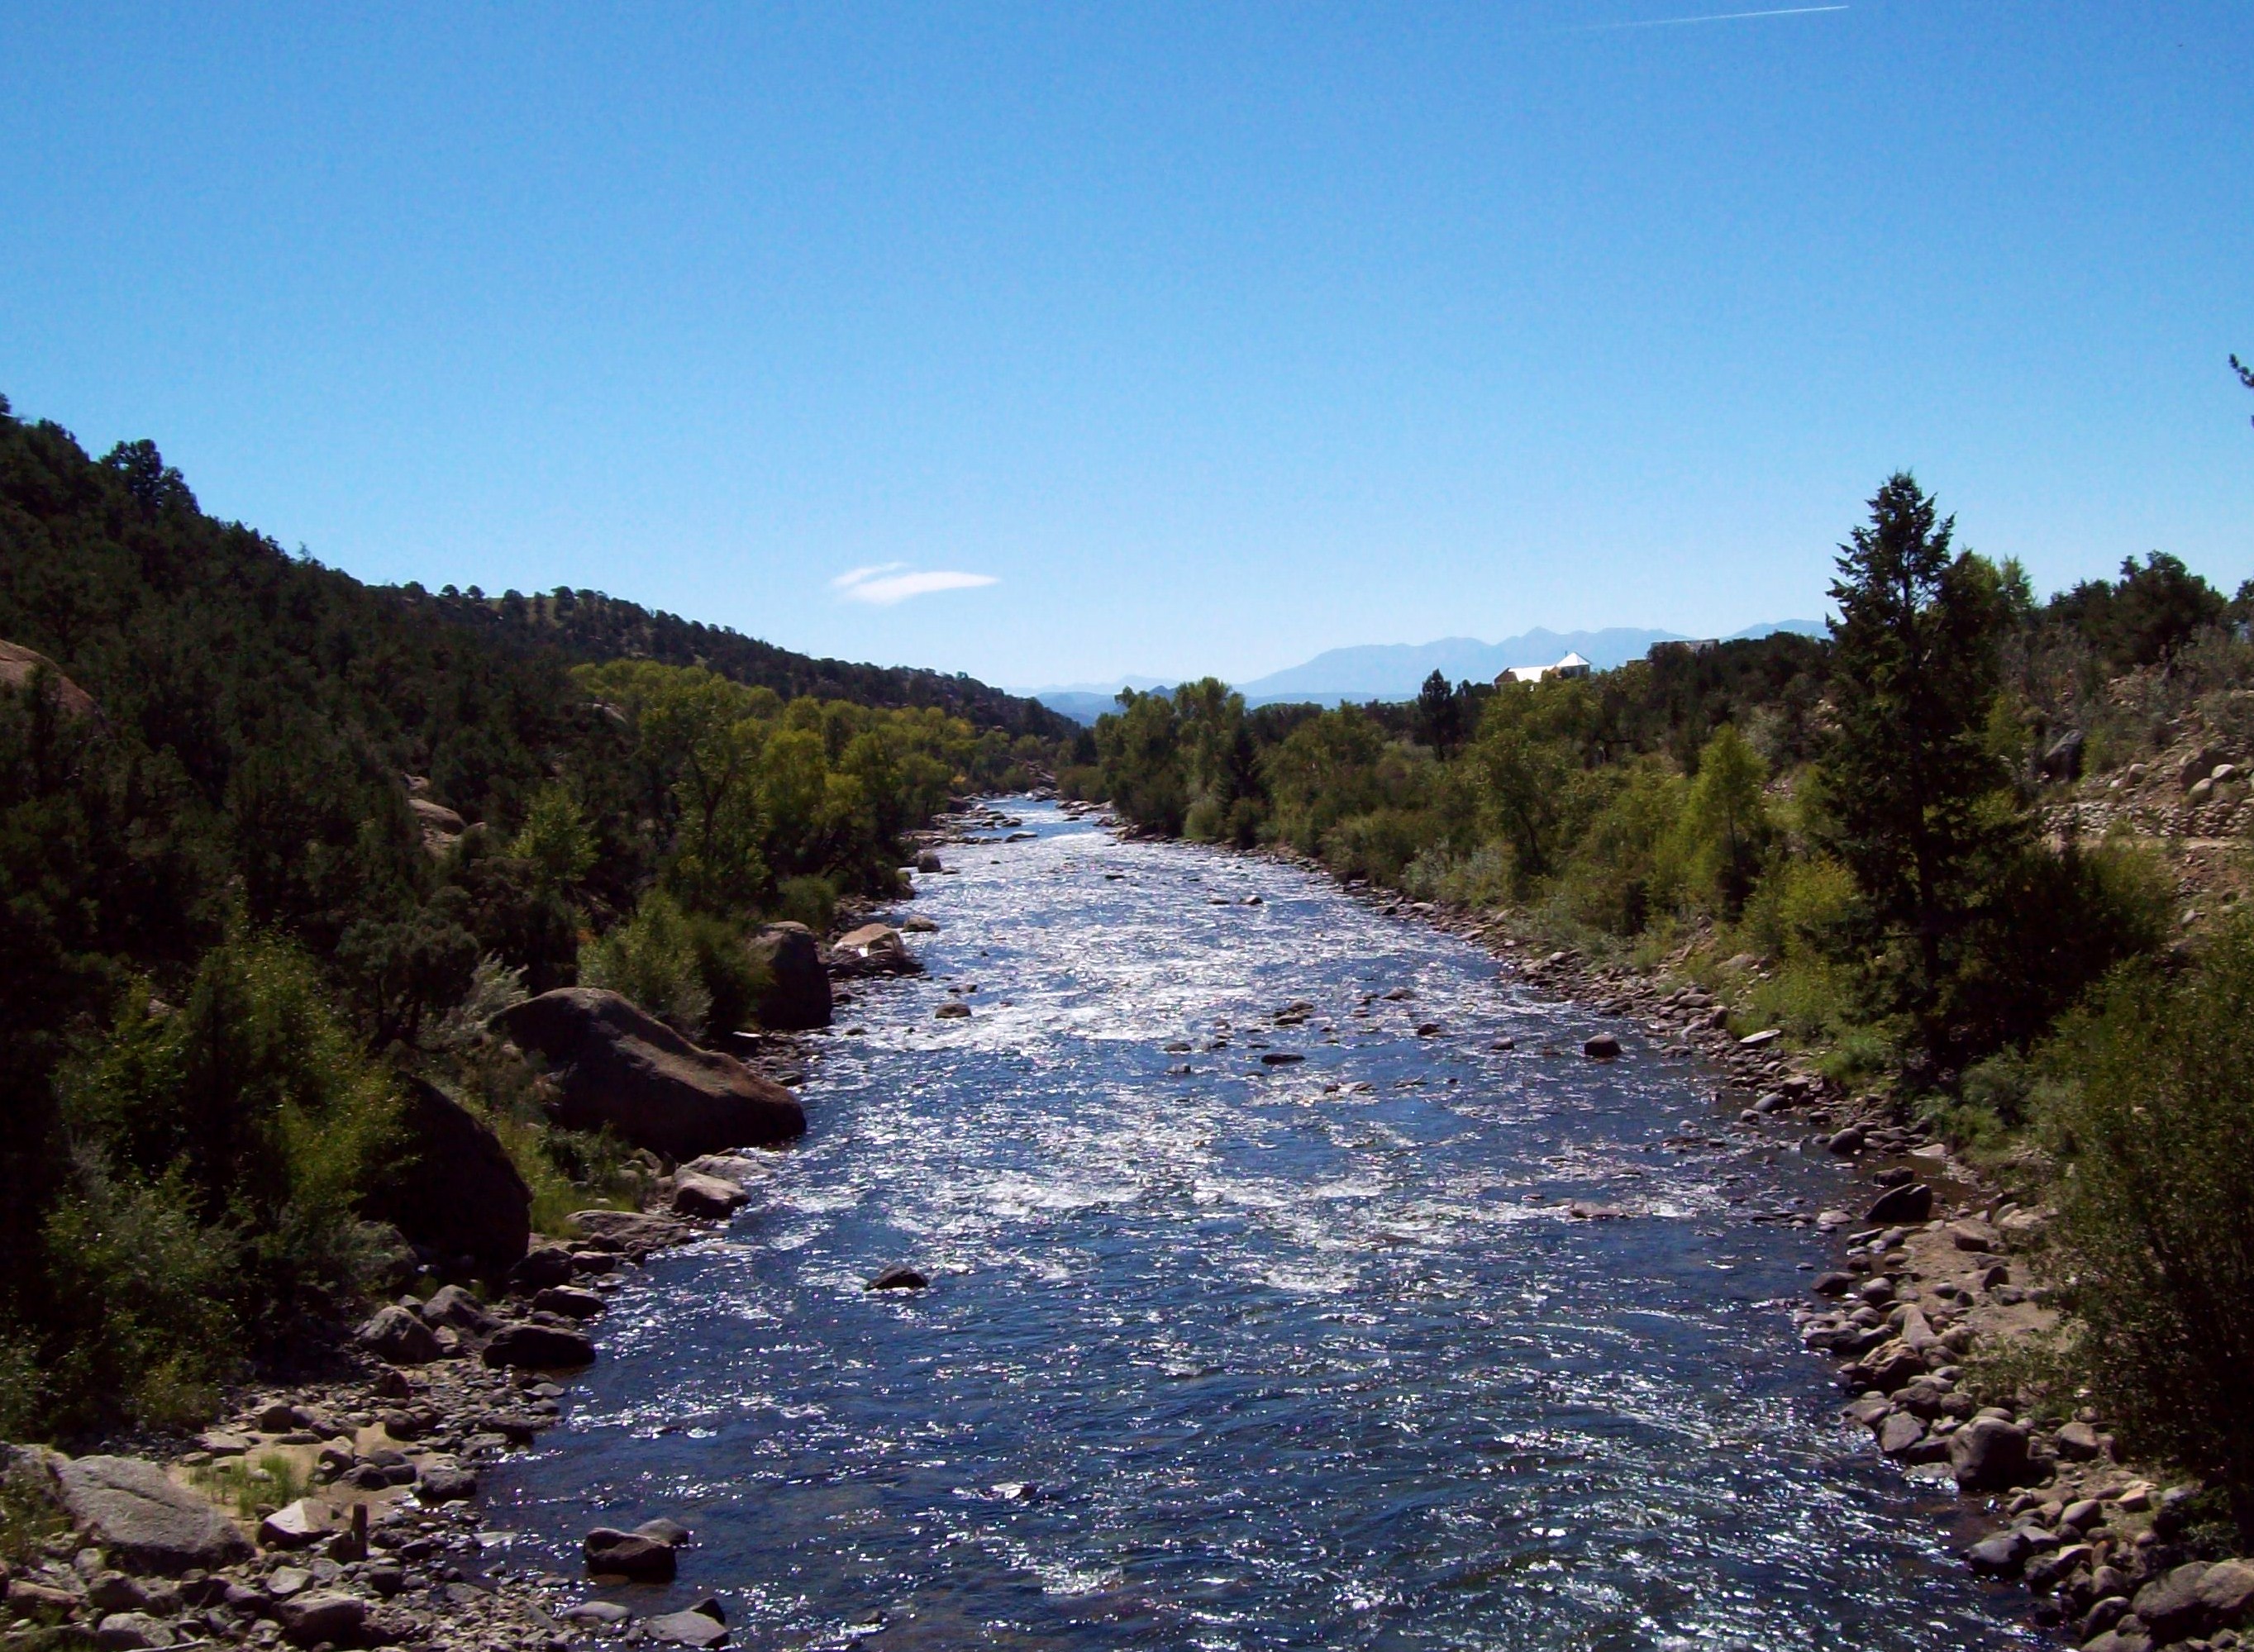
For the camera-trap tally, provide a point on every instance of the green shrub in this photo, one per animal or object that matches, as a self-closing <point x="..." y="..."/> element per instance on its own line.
<point x="2150" y="1120"/>
<point x="652" y="958"/>
<point x="809" y="901"/>
<point x="1378" y="845"/>
<point x="217" y="1153"/>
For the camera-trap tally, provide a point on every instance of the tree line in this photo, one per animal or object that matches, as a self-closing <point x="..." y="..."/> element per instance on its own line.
<point x="272" y="843"/>
<point x="1846" y="838"/>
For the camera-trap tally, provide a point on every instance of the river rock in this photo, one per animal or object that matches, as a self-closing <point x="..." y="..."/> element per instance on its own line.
<point x="617" y="1066"/>
<point x="444" y="1483"/>
<point x="1603" y="1047"/>
<point x="1900" y="1434"/>
<point x="634" y="1232"/>
<point x="2171" y="1605"/>
<point x="568" y="1300"/>
<point x="707" y="1196"/>
<point x="1911" y="1202"/>
<point x="796" y="995"/>
<point x="299" y="1526"/>
<point x="2077" y="1442"/>
<point x="953" y="1009"/>
<point x="454" y="1187"/>
<point x="125" y="1631"/>
<point x="700" y="1626"/>
<point x="1989" y="1454"/>
<point x="611" y="1553"/>
<point x="451" y="1305"/>
<point x="539" y="1347"/>
<point x="874" y="949"/>
<point x="1999" y="1556"/>
<point x="542" y="1265"/>
<point x="2227" y="1590"/>
<point x="399" y="1335"/>
<point x="129" y="1507"/>
<point x="928" y="861"/>
<point x="898" y="1277"/>
<point x="323" y="1616"/>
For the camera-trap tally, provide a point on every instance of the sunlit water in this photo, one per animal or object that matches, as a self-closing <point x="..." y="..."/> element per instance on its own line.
<point x="1244" y="1357"/>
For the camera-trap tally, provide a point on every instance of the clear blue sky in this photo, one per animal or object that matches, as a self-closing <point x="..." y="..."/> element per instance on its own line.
<point x="1213" y="335"/>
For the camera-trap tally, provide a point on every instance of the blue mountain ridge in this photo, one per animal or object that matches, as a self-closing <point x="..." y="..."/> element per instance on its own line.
<point x="1396" y="670"/>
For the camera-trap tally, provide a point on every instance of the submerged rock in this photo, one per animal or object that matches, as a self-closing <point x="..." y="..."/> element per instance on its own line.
<point x="898" y="1277"/>
<point x="631" y="1555"/>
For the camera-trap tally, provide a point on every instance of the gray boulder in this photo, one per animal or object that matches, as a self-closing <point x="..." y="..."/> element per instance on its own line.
<point x="453" y="1188"/>
<point x="637" y="1556"/>
<point x="127" y="1506"/>
<point x="1989" y="1454"/>
<point x="700" y="1626"/>
<point x="125" y="1631"/>
<point x="1909" y="1203"/>
<point x="615" y="1066"/>
<point x="797" y="992"/>
<point x="451" y="1305"/>
<point x="400" y="1337"/>
<point x="707" y="1196"/>
<point x="539" y="1347"/>
<point x="2170" y="1605"/>
<point x="635" y="1233"/>
<point x="322" y="1616"/>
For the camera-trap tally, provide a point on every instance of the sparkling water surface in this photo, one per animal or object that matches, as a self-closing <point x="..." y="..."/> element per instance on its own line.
<point x="1243" y="1356"/>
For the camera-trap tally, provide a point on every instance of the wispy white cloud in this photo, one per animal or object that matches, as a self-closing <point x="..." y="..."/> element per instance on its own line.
<point x="891" y="582"/>
<point x="1711" y="16"/>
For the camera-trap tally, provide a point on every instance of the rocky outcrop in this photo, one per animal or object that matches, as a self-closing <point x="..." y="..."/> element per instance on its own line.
<point x="131" y="1509"/>
<point x="18" y="665"/>
<point x="613" y="1065"/>
<point x="453" y="1190"/>
<point x="797" y="993"/>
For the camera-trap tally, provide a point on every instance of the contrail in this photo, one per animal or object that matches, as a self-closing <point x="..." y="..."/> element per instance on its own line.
<point x="1711" y="16"/>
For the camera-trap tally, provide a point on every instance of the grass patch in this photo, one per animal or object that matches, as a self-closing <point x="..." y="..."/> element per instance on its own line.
<point x="274" y="1482"/>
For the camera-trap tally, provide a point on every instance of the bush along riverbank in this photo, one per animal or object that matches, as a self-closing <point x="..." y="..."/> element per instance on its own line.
<point x="1955" y="894"/>
<point x="275" y="848"/>
<point x="342" y="1511"/>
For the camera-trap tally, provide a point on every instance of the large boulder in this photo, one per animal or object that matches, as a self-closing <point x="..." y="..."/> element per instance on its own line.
<point x="19" y="664"/>
<point x="1989" y="1454"/>
<point x="322" y="1617"/>
<point x="1910" y="1202"/>
<point x="539" y="1347"/>
<point x="797" y="993"/>
<point x="454" y="1187"/>
<point x="398" y="1335"/>
<point x="637" y="1556"/>
<point x="615" y="1066"/>
<point x="127" y="1506"/>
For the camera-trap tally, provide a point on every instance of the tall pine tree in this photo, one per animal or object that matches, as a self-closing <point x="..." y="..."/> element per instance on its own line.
<point x="1911" y="785"/>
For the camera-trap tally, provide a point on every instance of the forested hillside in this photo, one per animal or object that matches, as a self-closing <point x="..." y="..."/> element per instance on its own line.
<point x="586" y="626"/>
<point x="272" y="842"/>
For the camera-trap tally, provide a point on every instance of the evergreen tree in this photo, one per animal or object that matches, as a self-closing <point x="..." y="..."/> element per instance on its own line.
<point x="1909" y="781"/>
<point x="1440" y="716"/>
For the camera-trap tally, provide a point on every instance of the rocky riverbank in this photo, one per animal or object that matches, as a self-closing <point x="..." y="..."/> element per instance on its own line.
<point x="1935" y="1265"/>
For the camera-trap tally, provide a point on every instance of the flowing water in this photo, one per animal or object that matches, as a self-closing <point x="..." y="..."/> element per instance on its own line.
<point x="1219" y="1354"/>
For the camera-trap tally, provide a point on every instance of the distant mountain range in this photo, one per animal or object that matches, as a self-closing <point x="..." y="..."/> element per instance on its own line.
<point x="1396" y="670"/>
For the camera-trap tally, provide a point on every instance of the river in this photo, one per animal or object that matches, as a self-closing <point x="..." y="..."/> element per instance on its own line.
<point x="1220" y="1354"/>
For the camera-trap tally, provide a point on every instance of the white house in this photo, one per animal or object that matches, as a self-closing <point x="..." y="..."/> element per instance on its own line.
<point x="1571" y="665"/>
